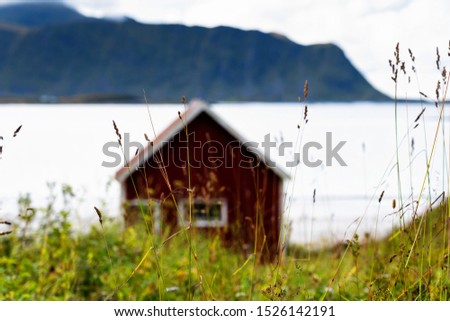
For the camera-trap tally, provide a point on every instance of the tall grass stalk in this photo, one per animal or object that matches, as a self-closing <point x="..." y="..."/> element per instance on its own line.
<point x="427" y="172"/>
<point x="287" y="205"/>
<point x="397" y="146"/>
<point x="190" y="200"/>
<point x="142" y="211"/>
<point x="186" y="229"/>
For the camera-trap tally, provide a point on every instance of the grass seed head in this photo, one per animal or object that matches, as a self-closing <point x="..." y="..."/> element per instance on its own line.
<point x="438" y="88"/>
<point x="422" y="94"/>
<point x="100" y="216"/>
<point x="403" y="67"/>
<point x="438" y="59"/>
<point x="17" y="131"/>
<point x="397" y="54"/>
<point x="119" y="136"/>
<point x="411" y="55"/>
<point x="306" y="89"/>
<point x="444" y="75"/>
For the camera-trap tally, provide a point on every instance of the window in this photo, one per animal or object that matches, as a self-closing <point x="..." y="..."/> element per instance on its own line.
<point x="151" y="208"/>
<point x="211" y="213"/>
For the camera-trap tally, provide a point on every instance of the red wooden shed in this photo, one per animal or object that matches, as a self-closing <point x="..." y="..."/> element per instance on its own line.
<point x="200" y="165"/>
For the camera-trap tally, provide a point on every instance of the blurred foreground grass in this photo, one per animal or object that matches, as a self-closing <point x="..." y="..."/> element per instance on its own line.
<point x="45" y="258"/>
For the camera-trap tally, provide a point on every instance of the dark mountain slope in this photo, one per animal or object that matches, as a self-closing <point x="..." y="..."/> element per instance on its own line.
<point x="92" y="56"/>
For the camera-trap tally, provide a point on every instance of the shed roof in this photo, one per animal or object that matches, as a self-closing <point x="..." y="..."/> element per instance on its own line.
<point x="194" y="109"/>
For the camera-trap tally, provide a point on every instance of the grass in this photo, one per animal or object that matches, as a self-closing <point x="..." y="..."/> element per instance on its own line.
<point x="56" y="263"/>
<point x="43" y="257"/>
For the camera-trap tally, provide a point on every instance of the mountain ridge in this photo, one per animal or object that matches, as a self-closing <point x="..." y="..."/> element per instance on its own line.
<point x="38" y="14"/>
<point x="88" y="56"/>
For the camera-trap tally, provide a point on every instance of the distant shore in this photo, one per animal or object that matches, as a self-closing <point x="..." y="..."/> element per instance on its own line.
<point x="101" y="98"/>
<point x="79" y="99"/>
<point x="134" y="99"/>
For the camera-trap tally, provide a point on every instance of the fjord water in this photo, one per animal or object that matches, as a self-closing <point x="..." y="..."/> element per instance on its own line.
<point x="64" y="144"/>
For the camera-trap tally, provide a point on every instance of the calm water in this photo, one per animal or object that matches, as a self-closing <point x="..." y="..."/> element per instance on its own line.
<point x="63" y="144"/>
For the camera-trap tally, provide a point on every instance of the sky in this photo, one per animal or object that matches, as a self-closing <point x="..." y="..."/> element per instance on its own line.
<point x="367" y="30"/>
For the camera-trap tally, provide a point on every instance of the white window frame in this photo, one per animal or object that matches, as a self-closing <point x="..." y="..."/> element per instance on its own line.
<point x="202" y="223"/>
<point x="156" y="210"/>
